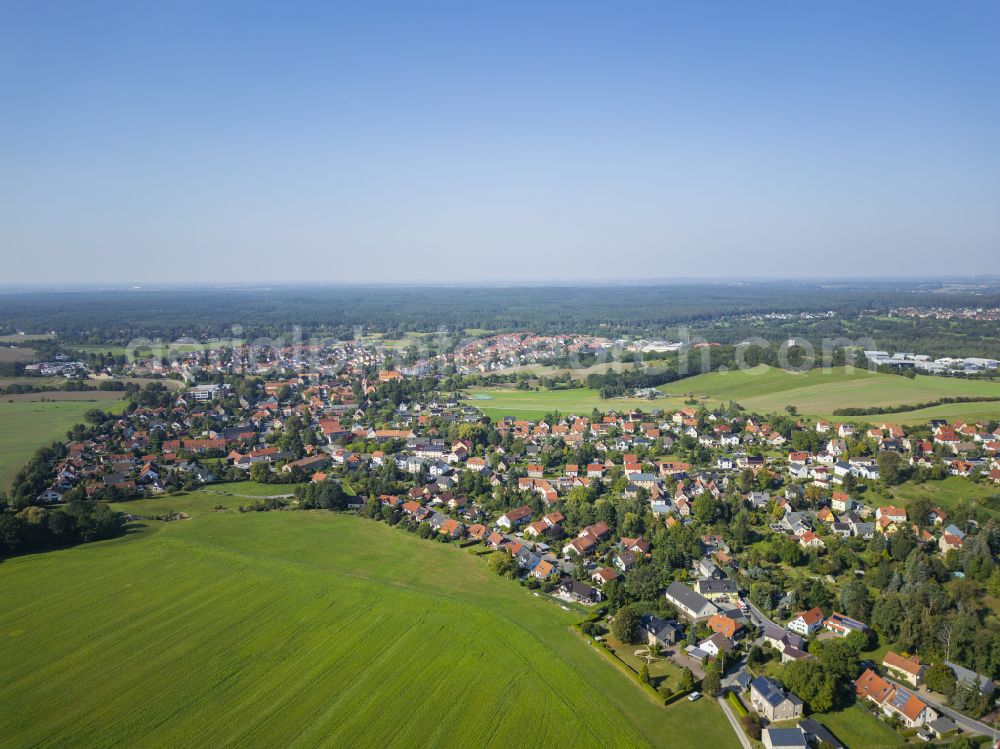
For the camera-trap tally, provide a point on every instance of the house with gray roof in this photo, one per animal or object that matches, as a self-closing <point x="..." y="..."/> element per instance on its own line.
<point x="967" y="676"/>
<point x="784" y="738"/>
<point x="665" y="632"/>
<point x="688" y="602"/>
<point x="772" y="702"/>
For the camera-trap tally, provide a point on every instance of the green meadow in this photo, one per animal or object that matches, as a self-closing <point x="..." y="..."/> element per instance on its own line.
<point x="27" y="425"/>
<point x="764" y="389"/>
<point x="304" y="629"/>
<point x="819" y="392"/>
<point x="950" y="494"/>
<point x="531" y="404"/>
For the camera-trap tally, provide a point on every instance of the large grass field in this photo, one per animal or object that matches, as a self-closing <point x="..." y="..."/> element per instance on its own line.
<point x="16" y="353"/>
<point x="820" y="391"/>
<point x="26" y="426"/>
<point x="304" y="629"/>
<point x="531" y="404"/>
<point x="16" y="338"/>
<point x="766" y="389"/>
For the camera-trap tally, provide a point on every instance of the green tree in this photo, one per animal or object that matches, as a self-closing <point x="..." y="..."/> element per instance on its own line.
<point x="687" y="680"/>
<point x="625" y="627"/>
<point x="503" y="563"/>
<point x="855" y="601"/>
<point x="260" y="473"/>
<point x="941" y="679"/>
<point x="993" y="584"/>
<point x="644" y="674"/>
<point x="712" y="683"/>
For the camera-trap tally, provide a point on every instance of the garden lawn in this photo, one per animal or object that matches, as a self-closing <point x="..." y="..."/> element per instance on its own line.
<point x="304" y="629"/>
<point x="859" y="729"/>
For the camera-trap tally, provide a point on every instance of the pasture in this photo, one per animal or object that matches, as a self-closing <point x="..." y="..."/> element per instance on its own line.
<point x="304" y="629"/>
<point x="25" y="426"/>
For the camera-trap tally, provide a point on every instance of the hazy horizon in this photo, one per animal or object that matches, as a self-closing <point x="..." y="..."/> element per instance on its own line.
<point x="248" y="144"/>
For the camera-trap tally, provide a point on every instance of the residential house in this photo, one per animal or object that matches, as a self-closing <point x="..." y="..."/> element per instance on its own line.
<point x="580" y="592"/>
<point x="784" y="738"/>
<point x="725" y="625"/>
<point x="911" y="711"/>
<point x="515" y="518"/>
<point x="772" y="702"/>
<point x="664" y="631"/>
<point x="688" y="602"/>
<point x="907" y="669"/>
<point x="842" y="625"/>
<point x="807" y="623"/>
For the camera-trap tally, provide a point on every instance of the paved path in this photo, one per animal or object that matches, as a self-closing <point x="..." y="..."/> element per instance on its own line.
<point x="734" y="723"/>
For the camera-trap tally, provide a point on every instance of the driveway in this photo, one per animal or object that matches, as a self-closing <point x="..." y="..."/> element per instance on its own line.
<point x="734" y="722"/>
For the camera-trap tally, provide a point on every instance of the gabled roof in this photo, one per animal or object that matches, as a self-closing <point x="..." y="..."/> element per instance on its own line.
<point x="811" y="618"/>
<point x="769" y="690"/>
<point x="872" y="686"/>
<point x="911" y="666"/>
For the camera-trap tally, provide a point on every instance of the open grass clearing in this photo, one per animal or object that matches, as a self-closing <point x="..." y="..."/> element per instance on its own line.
<point x="534" y="404"/>
<point x="819" y="392"/>
<point x="25" y="426"/>
<point x="91" y="396"/>
<point x="305" y="629"/>
<point x="16" y="353"/>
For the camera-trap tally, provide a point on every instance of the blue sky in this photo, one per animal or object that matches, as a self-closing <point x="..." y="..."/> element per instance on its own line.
<point x="246" y="142"/>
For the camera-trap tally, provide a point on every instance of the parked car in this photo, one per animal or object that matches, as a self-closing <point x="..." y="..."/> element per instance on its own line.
<point x="694" y="696"/>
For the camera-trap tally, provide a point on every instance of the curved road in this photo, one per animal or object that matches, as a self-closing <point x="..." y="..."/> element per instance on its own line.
<point x="969" y="724"/>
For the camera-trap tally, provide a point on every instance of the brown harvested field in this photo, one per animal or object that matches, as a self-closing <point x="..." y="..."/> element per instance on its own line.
<point x="65" y="395"/>
<point x="15" y="353"/>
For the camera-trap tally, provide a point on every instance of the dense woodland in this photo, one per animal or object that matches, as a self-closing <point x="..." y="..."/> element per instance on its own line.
<point x="718" y="312"/>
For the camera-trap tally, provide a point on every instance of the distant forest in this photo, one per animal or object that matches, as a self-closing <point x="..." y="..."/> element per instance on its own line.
<point x="715" y="312"/>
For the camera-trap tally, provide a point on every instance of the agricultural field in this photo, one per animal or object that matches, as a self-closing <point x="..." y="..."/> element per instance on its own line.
<point x="26" y="338"/>
<point x="764" y="389"/>
<point x="159" y="349"/>
<point x="247" y="629"/>
<point x="88" y="396"/>
<point x="26" y="426"/>
<point x="531" y="404"/>
<point x="819" y="392"/>
<point x="580" y="373"/>
<point x="16" y="353"/>
<point x="58" y="382"/>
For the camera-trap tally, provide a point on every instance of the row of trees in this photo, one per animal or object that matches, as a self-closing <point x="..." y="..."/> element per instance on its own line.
<point x="38" y="528"/>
